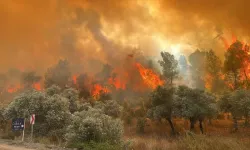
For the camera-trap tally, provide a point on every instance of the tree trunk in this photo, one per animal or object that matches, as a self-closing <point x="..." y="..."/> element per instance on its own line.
<point x="171" y="125"/>
<point x="210" y="121"/>
<point x="192" y="122"/>
<point x="235" y="124"/>
<point x="201" y="127"/>
<point x="246" y="120"/>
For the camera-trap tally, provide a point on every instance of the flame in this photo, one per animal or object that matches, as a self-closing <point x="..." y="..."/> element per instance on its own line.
<point x="208" y="81"/>
<point x="150" y="78"/>
<point x="13" y="88"/>
<point x="37" y="86"/>
<point x="117" y="83"/>
<point x="74" y="77"/>
<point x="97" y="90"/>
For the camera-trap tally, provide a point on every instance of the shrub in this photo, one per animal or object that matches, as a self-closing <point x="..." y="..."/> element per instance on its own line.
<point x="52" y="114"/>
<point x="140" y="125"/>
<point x="94" y="125"/>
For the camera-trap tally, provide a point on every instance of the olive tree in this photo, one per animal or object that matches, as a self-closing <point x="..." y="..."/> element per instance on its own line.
<point x="238" y="104"/>
<point x="162" y="104"/>
<point x="195" y="105"/>
<point x="93" y="125"/>
<point x="52" y="113"/>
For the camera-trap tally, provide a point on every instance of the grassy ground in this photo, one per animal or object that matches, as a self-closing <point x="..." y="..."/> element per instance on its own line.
<point x="218" y="136"/>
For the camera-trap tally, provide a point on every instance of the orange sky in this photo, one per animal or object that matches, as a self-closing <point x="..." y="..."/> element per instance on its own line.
<point x="35" y="34"/>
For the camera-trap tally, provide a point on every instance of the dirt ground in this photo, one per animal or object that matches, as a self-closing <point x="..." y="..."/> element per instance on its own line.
<point x="9" y="147"/>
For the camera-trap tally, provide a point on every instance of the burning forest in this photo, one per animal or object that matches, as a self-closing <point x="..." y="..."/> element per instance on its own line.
<point x="97" y="73"/>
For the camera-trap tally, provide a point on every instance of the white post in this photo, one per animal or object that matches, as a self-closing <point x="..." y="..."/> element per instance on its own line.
<point x="23" y="131"/>
<point x="31" y="132"/>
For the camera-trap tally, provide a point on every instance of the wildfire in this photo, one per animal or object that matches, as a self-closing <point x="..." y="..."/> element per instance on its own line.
<point x="37" y="86"/>
<point x="74" y="77"/>
<point x="149" y="77"/>
<point x="119" y="84"/>
<point x="98" y="89"/>
<point x="13" y="88"/>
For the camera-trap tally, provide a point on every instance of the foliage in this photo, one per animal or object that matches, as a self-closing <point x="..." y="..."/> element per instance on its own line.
<point x="94" y="125"/>
<point x="162" y="103"/>
<point x="237" y="103"/>
<point x="52" y="115"/>
<point x="73" y="96"/>
<point x="59" y="75"/>
<point x="52" y="90"/>
<point x="169" y="65"/>
<point x="194" y="103"/>
<point x="141" y="122"/>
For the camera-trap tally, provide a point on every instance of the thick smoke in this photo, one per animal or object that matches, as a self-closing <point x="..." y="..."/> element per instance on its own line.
<point x="36" y="34"/>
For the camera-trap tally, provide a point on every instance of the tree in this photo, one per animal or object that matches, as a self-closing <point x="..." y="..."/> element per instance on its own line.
<point x="94" y="125"/>
<point x="213" y="67"/>
<point x="82" y="85"/>
<point x="169" y="66"/>
<point x="197" y="61"/>
<point x="162" y="104"/>
<point x="29" y="78"/>
<point x="195" y="105"/>
<point x="238" y="104"/>
<point x="234" y="61"/>
<point x="52" y="114"/>
<point x="73" y="96"/>
<point x="58" y="75"/>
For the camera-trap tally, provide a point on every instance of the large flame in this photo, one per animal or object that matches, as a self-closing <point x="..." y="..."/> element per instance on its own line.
<point x="150" y="78"/>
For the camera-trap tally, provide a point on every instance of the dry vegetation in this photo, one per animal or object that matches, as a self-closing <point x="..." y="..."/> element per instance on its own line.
<point x="218" y="136"/>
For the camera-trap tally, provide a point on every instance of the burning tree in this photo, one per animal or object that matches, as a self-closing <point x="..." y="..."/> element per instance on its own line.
<point x="59" y="74"/>
<point x="236" y="61"/>
<point x="214" y="77"/>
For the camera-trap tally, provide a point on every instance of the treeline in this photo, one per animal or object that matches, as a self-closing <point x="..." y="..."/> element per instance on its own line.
<point x="69" y="114"/>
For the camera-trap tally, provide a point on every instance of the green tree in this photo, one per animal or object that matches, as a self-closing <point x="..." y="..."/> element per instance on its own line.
<point x="59" y="75"/>
<point x="170" y="66"/>
<point x="234" y="61"/>
<point x="94" y="125"/>
<point x="238" y="104"/>
<point x="162" y="99"/>
<point x="73" y="96"/>
<point x="195" y="105"/>
<point x="52" y="113"/>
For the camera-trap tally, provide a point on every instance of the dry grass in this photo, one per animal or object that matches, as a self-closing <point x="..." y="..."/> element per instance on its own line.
<point x="218" y="136"/>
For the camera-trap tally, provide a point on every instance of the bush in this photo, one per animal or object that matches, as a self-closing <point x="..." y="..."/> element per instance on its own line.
<point x="110" y="108"/>
<point x="94" y="125"/>
<point x="140" y="125"/>
<point x="52" y="114"/>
